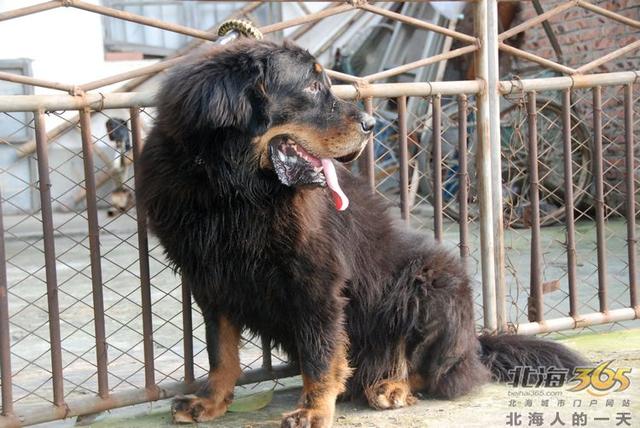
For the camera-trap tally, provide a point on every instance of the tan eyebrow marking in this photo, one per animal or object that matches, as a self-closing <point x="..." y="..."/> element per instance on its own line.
<point x="317" y="67"/>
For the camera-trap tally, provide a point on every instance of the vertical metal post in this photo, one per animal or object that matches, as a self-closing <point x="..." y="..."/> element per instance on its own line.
<point x="370" y="150"/>
<point x="265" y="343"/>
<point x="404" y="157"/>
<point x="536" y="304"/>
<point x="631" y="194"/>
<point x="436" y="146"/>
<point x="143" y="255"/>
<point x="599" y="198"/>
<point x="94" y="245"/>
<point x="49" y="257"/>
<point x="187" y="331"/>
<point x="487" y="243"/>
<point x="463" y="177"/>
<point x="493" y="81"/>
<point x="568" y="202"/>
<point x="5" y="337"/>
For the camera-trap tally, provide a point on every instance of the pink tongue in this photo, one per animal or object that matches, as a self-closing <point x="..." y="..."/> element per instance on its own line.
<point x="339" y="198"/>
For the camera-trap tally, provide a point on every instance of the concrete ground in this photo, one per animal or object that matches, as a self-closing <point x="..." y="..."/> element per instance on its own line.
<point x="119" y="263"/>
<point x="488" y="407"/>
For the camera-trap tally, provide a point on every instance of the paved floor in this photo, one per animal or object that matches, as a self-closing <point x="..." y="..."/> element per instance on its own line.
<point x="488" y="407"/>
<point x="121" y="290"/>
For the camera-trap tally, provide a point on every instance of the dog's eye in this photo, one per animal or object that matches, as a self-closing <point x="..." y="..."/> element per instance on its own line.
<point x="313" y="88"/>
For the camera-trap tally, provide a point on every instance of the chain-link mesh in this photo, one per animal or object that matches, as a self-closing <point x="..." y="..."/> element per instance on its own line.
<point x="28" y="315"/>
<point x="23" y="223"/>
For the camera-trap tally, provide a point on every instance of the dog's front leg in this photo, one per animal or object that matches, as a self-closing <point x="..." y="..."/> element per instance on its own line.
<point x="325" y="369"/>
<point x="214" y="397"/>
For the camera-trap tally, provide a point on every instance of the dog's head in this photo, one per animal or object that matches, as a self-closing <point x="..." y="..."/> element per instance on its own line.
<point x="276" y="96"/>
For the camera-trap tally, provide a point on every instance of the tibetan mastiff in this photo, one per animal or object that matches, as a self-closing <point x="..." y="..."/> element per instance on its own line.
<point x="243" y="183"/>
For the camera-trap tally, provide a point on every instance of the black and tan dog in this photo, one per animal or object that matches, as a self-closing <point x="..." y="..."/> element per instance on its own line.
<point x="243" y="185"/>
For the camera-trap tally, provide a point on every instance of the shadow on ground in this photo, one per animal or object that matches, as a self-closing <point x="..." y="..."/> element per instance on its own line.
<point x="490" y="406"/>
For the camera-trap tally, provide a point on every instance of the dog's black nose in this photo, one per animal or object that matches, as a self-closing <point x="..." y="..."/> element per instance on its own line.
<point x="367" y="122"/>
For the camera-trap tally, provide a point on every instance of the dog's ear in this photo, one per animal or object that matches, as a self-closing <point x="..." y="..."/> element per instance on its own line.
<point x="237" y="98"/>
<point x="225" y="91"/>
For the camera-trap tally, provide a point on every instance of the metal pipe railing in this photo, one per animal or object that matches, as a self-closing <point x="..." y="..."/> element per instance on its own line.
<point x="436" y="144"/>
<point x="370" y="157"/>
<point x="463" y="176"/>
<point x="5" y="333"/>
<point x="87" y="405"/>
<point x="94" y="253"/>
<point x="143" y="255"/>
<point x="404" y="158"/>
<point x="598" y="176"/>
<point x="485" y="188"/>
<point x="536" y="303"/>
<point x="568" y="202"/>
<point x="631" y="195"/>
<point x="44" y="185"/>
<point x="487" y="89"/>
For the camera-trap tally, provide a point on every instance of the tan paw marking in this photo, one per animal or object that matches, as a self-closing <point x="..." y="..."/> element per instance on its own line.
<point x="191" y="408"/>
<point x="307" y="418"/>
<point x="389" y="394"/>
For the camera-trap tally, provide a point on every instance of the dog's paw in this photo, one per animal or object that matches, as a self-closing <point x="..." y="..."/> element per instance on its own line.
<point x="390" y="394"/>
<point x="307" y="418"/>
<point x="191" y="408"/>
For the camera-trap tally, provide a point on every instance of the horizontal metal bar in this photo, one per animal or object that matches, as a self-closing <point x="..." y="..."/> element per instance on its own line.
<point x="609" y="14"/>
<point x="31" y="416"/>
<point x="420" y="63"/>
<point x="139" y="19"/>
<point x="138" y="72"/>
<point x="569" y="82"/>
<point x="536" y="20"/>
<point x="568" y="323"/>
<point x="26" y="80"/>
<point x="414" y="89"/>
<point x="419" y="23"/>
<point x="30" y="10"/>
<point x="306" y="18"/>
<point x="608" y="57"/>
<point x="535" y="58"/>
<point x="96" y="101"/>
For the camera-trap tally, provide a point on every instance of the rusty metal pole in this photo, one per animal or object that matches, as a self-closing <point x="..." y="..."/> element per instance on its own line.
<point x="187" y="331"/>
<point x="436" y="155"/>
<point x="370" y="151"/>
<point x="487" y="243"/>
<point x="493" y="85"/>
<point x="49" y="257"/>
<point x="94" y="244"/>
<point x="463" y="177"/>
<point x="568" y="203"/>
<point x="631" y="195"/>
<point x="5" y="337"/>
<point x="143" y="255"/>
<point x="404" y="158"/>
<point x="536" y="304"/>
<point x="598" y="175"/>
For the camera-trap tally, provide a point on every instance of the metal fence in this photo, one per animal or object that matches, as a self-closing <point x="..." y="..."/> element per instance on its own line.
<point x="513" y="172"/>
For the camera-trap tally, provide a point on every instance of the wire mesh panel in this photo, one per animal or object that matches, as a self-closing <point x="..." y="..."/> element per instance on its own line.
<point x="439" y="138"/>
<point x="119" y="323"/>
<point x="93" y="317"/>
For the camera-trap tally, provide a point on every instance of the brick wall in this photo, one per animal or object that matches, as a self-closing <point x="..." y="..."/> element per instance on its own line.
<point x="583" y="37"/>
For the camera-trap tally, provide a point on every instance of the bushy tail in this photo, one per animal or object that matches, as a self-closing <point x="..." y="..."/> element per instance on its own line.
<point x="502" y="353"/>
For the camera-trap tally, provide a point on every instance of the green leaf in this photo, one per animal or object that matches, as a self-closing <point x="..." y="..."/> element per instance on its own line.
<point x="251" y="403"/>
